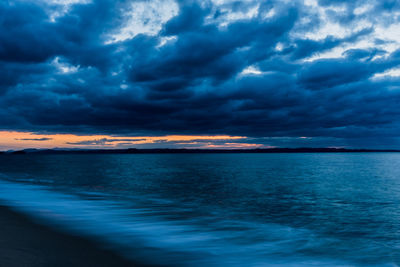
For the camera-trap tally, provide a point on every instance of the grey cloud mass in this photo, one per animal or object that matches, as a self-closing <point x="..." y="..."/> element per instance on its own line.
<point x="34" y="139"/>
<point x="104" y="141"/>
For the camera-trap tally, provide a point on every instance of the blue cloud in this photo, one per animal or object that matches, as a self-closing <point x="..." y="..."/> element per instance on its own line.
<point x="65" y="75"/>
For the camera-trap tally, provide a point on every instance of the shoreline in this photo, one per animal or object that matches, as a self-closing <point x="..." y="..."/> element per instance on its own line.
<point x="26" y="243"/>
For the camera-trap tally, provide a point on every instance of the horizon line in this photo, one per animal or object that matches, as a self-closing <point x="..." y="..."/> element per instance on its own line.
<point x="191" y="150"/>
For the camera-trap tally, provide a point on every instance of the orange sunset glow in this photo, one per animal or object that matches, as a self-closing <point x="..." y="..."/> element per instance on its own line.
<point x="11" y="140"/>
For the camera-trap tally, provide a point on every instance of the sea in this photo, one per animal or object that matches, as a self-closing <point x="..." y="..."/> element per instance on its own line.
<point x="283" y="209"/>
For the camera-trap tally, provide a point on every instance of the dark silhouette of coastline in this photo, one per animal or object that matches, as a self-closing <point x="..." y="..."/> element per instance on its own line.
<point x="194" y="151"/>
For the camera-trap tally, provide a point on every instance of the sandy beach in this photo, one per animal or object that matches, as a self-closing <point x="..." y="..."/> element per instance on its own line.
<point x="24" y="243"/>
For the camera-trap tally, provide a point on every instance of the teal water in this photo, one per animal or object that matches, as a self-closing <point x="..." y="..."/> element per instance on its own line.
<point x="312" y="209"/>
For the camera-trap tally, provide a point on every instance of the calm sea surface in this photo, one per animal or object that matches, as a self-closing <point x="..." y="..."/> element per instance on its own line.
<point x="310" y="209"/>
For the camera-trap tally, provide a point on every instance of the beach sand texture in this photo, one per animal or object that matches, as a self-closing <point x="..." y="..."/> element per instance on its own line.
<point x="27" y="244"/>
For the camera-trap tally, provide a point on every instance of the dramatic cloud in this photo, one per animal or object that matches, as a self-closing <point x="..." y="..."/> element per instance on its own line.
<point x="104" y="142"/>
<point x="273" y="71"/>
<point x="35" y="139"/>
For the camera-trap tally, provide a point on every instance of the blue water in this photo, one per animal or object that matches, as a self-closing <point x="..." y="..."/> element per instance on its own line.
<point x="311" y="209"/>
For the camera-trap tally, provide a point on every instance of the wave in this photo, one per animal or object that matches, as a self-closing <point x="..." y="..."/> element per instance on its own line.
<point x="142" y="234"/>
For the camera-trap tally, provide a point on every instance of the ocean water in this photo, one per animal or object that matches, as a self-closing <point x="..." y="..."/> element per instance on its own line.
<point x="312" y="209"/>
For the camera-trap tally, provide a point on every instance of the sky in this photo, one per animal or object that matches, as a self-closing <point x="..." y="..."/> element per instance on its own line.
<point x="199" y="74"/>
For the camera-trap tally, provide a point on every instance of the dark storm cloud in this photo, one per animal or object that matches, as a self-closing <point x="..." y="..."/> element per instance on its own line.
<point x="104" y="141"/>
<point x="204" y="51"/>
<point x="306" y="47"/>
<point x="34" y="139"/>
<point x="63" y="74"/>
<point x="327" y="73"/>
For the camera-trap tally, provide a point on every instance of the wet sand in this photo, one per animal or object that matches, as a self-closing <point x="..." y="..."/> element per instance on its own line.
<point x="24" y="243"/>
